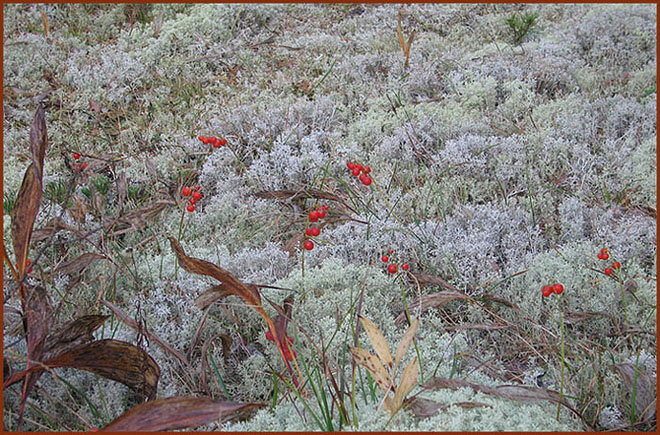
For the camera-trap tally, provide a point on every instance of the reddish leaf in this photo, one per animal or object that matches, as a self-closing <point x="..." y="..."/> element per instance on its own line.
<point x="29" y="196"/>
<point x="37" y="319"/>
<point x="24" y="214"/>
<point x="78" y="264"/>
<point x="250" y="294"/>
<point x="178" y="413"/>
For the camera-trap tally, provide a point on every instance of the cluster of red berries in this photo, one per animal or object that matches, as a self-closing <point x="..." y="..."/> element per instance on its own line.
<point x="196" y="196"/>
<point x="314" y="216"/>
<point x="392" y="268"/>
<point x="215" y="141"/>
<point x="289" y="353"/>
<point x="362" y="171"/>
<point x="550" y="289"/>
<point x="78" y="166"/>
<point x="27" y="263"/>
<point x="604" y="255"/>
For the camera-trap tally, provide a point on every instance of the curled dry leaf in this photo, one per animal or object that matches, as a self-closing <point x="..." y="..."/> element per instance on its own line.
<point x="434" y="300"/>
<point x="174" y="413"/>
<point x="72" y="335"/>
<point x="249" y="293"/>
<point x="645" y="390"/>
<point x="211" y="295"/>
<point x="29" y="196"/>
<point x="78" y="264"/>
<point x="377" y="341"/>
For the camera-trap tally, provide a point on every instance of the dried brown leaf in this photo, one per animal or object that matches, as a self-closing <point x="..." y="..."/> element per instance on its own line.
<point x="54" y="226"/>
<point x="38" y="141"/>
<point x="173" y="413"/>
<point x="424" y="408"/>
<point x="373" y="364"/>
<point x="117" y="360"/>
<point x="211" y="295"/>
<point x="500" y="300"/>
<point x="73" y="334"/>
<point x="78" y="264"/>
<point x="645" y="390"/>
<point x="434" y="300"/>
<point x="407" y="383"/>
<point x="377" y="341"/>
<point x="404" y="344"/>
<point x="203" y="267"/>
<point x="24" y="214"/>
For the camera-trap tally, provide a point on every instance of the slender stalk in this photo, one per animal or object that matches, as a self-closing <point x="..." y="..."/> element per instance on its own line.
<point x="561" y="352"/>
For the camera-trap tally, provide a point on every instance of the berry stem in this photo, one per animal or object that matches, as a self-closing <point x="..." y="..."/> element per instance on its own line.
<point x="561" y="352"/>
<point x="178" y="239"/>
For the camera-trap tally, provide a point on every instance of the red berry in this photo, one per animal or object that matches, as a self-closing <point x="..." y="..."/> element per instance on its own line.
<point x="216" y="145"/>
<point x="308" y="231"/>
<point x="355" y="171"/>
<point x="616" y="265"/>
<point x="321" y="213"/>
<point x="83" y="166"/>
<point x="198" y="188"/>
<point x="359" y="166"/>
<point x="186" y="191"/>
<point x="201" y="138"/>
<point x="76" y="167"/>
<point x="608" y="271"/>
<point x="191" y="208"/>
<point x="405" y="266"/>
<point x="269" y="336"/>
<point x="605" y="256"/>
<point x="222" y="141"/>
<point x="350" y="165"/>
<point x="390" y="251"/>
<point x="314" y="216"/>
<point x="366" y="180"/>
<point x="391" y="268"/>
<point x="326" y="207"/>
<point x="76" y="156"/>
<point x="367" y="169"/>
<point x="197" y="196"/>
<point x="600" y="255"/>
<point x="558" y="288"/>
<point x="315" y="231"/>
<point x="385" y="258"/>
<point x="193" y="201"/>
<point x="309" y="245"/>
<point x="604" y="250"/>
<point x="547" y="290"/>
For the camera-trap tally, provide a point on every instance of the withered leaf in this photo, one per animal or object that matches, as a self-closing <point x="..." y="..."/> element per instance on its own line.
<point x="645" y="390"/>
<point x="38" y="140"/>
<point x="203" y="267"/>
<point x="117" y="360"/>
<point x="37" y="319"/>
<point x="373" y="364"/>
<point x="73" y="334"/>
<point x="78" y="264"/>
<point x="407" y="383"/>
<point x="211" y="295"/>
<point x="52" y="227"/>
<point x="404" y="344"/>
<point x="173" y="413"/>
<point x="433" y="300"/>
<point x="377" y="341"/>
<point x="249" y="294"/>
<point x="424" y="408"/>
<point x="24" y="214"/>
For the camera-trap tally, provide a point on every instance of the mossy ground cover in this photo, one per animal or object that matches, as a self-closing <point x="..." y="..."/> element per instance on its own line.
<point x="507" y="145"/>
